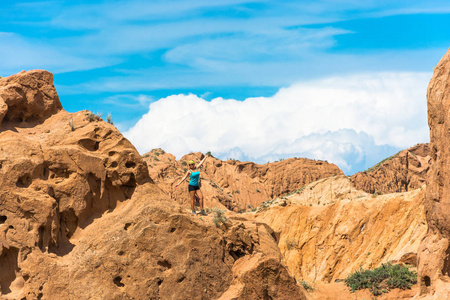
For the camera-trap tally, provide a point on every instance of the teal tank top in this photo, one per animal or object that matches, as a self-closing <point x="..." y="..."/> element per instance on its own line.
<point x="194" y="178"/>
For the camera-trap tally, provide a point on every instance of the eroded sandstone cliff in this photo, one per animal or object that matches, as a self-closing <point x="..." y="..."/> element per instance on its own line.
<point x="233" y="184"/>
<point x="80" y="218"/>
<point x="329" y="229"/>
<point x="404" y="171"/>
<point x="434" y="254"/>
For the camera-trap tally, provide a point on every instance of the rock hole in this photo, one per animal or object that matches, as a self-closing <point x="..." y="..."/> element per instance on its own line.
<point x="24" y="181"/>
<point x="45" y="173"/>
<point x="8" y="263"/>
<point x="165" y="264"/>
<point x="3" y="219"/>
<point x="111" y="153"/>
<point x="114" y="164"/>
<point x="446" y="267"/>
<point x="69" y="222"/>
<point x="237" y="254"/>
<point x="126" y="226"/>
<point x="159" y="282"/>
<point x="121" y="253"/>
<point x="10" y="227"/>
<point x="129" y="187"/>
<point x="117" y="281"/>
<point x="266" y="295"/>
<point x="172" y="229"/>
<point x="427" y="281"/>
<point x="130" y="164"/>
<point x="88" y="144"/>
<point x="41" y="231"/>
<point x="39" y="296"/>
<point x="26" y="277"/>
<point x="51" y="192"/>
<point x="95" y="191"/>
<point x="180" y="280"/>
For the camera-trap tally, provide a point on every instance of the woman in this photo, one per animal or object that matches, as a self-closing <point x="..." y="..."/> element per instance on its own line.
<point x="194" y="185"/>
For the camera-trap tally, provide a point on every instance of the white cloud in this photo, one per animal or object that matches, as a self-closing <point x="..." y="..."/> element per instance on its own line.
<point x="349" y="120"/>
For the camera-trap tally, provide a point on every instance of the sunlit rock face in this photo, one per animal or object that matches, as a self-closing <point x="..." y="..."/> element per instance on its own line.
<point x="434" y="255"/>
<point x="402" y="172"/>
<point x="80" y="217"/>
<point x="235" y="185"/>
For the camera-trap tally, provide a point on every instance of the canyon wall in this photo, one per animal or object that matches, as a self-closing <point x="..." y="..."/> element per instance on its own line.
<point x="434" y="255"/>
<point x="328" y="237"/>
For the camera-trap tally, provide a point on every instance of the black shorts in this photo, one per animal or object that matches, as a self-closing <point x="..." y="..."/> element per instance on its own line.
<point x="193" y="187"/>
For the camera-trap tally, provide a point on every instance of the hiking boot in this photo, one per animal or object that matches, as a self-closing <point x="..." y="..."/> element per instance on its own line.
<point x="203" y="213"/>
<point x="194" y="212"/>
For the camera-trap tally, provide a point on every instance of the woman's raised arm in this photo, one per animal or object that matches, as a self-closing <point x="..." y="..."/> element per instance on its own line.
<point x="203" y="160"/>
<point x="185" y="176"/>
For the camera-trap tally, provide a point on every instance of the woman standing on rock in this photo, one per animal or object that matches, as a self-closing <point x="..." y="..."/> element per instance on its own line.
<point x="194" y="185"/>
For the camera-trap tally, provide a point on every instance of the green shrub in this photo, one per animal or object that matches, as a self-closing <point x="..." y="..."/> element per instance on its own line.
<point x="377" y="193"/>
<point x="219" y="216"/>
<point x="306" y="286"/>
<point x="381" y="279"/>
<point x="183" y="163"/>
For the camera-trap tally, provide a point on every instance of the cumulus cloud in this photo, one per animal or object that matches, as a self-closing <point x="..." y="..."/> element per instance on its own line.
<point x="353" y="121"/>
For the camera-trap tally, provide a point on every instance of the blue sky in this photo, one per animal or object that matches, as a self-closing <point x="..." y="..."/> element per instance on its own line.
<point x="120" y="57"/>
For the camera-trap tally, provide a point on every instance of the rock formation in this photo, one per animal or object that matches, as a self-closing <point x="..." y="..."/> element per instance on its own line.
<point x="434" y="255"/>
<point x="81" y="218"/>
<point x="236" y="185"/>
<point x="328" y="237"/>
<point x="402" y="172"/>
<point x="28" y="96"/>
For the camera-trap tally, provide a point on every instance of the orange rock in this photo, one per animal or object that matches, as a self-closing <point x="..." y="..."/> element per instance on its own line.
<point x="434" y="254"/>
<point x="80" y="218"/>
<point x="236" y="185"/>
<point x="28" y="97"/>
<point x="328" y="239"/>
<point x="404" y="171"/>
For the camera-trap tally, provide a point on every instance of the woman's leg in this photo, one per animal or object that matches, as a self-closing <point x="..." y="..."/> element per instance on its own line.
<point x="192" y="195"/>
<point x="200" y="198"/>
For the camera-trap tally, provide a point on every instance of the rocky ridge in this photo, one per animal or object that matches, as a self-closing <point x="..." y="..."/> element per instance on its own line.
<point x="236" y="185"/>
<point x="81" y="218"/>
<point x="402" y="172"/>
